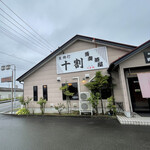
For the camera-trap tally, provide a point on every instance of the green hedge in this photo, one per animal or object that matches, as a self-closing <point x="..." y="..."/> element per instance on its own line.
<point x="5" y="99"/>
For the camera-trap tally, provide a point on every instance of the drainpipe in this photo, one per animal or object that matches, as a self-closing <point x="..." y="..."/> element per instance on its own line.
<point x="23" y="87"/>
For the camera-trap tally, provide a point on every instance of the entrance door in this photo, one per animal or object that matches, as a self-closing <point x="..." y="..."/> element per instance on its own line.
<point x="139" y="104"/>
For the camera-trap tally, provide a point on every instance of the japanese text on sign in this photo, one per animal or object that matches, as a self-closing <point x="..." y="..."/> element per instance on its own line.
<point x="89" y="59"/>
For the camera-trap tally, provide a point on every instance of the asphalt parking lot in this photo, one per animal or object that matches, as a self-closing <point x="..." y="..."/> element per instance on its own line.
<point x="58" y="133"/>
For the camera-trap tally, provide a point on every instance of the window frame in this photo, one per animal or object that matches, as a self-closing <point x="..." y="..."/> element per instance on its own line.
<point x="35" y="97"/>
<point x="46" y="92"/>
<point x="76" y="94"/>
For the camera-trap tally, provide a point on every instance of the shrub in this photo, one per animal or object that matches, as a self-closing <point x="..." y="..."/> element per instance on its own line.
<point x="23" y="111"/>
<point x="59" y="107"/>
<point x="25" y="102"/>
<point x="111" y="106"/>
<point x="42" y="103"/>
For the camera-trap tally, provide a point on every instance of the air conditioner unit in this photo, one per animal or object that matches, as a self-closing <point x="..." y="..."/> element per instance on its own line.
<point x="84" y="96"/>
<point x="85" y="107"/>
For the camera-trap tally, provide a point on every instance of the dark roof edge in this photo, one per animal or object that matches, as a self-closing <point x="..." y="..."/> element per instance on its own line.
<point x="65" y="45"/>
<point x="114" y="64"/>
<point x="127" y="46"/>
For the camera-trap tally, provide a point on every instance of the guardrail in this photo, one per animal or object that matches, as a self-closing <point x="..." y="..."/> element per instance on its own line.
<point x="6" y="101"/>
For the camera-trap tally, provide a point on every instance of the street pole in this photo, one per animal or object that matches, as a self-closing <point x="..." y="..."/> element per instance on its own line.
<point x="14" y="85"/>
<point x="13" y="80"/>
<point x="12" y="94"/>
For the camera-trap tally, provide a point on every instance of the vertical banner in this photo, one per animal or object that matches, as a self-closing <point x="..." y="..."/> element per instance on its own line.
<point x="89" y="59"/>
<point x="144" y="81"/>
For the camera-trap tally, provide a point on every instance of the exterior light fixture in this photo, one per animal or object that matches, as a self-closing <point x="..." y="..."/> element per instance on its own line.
<point x="83" y="81"/>
<point x="58" y="79"/>
<point x="69" y="84"/>
<point x="44" y="86"/>
<point x="87" y="76"/>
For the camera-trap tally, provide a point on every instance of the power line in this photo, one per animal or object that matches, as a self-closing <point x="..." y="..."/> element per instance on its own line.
<point x="17" y="57"/>
<point x="16" y="38"/>
<point x="20" y="34"/>
<point x="26" y="24"/>
<point x="23" y="32"/>
<point x="2" y="63"/>
<point x="27" y="61"/>
<point x="24" y="28"/>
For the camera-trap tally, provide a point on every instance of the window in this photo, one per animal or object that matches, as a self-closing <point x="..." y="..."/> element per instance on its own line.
<point x="106" y="93"/>
<point x="35" y="93"/>
<point x="106" y="90"/>
<point x="73" y="88"/>
<point x="45" y="92"/>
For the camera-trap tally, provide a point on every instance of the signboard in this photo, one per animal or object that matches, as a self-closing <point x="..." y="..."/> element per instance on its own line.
<point x="89" y="59"/>
<point x="147" y="57"/>
<point x="6" y="79"/>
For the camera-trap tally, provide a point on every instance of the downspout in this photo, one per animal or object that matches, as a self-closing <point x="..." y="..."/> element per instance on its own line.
<point x="23" y="87"/>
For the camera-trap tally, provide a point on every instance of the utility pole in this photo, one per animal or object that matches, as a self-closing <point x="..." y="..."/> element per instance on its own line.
<point x="13" y="80"/>
<point x="14" y="85"/>
<point x="12" y="94"/>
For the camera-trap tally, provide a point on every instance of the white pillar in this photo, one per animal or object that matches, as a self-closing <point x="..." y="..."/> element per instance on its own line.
<point x="127" y="110"/>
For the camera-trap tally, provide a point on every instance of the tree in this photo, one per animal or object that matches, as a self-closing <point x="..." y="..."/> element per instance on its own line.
<point x="97" y="84"/>
<point x="65" y="90"/>
<point x="42" y="103"/>
<point x="111" y="106"/>
<point x="25" y="102"/>
<point x="93" y="99"/>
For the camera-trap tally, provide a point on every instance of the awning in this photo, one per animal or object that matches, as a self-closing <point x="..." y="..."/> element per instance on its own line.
<point x="144" y="81"/>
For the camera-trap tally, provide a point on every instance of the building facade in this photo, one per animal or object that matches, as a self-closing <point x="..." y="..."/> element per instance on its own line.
<point x="5" y="93"/>
<point x="80" y="58"/>
<point x="133" y="70"/>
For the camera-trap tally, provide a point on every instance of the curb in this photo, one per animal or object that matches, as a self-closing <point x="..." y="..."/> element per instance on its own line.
<point x="62" y="116"/>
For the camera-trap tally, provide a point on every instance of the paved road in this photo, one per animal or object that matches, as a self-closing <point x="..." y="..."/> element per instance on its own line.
<point x="54" y="133"/>
<point x="5" y="107"/>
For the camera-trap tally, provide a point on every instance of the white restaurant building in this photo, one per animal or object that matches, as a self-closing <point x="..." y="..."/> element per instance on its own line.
<point x="80" y="58"/>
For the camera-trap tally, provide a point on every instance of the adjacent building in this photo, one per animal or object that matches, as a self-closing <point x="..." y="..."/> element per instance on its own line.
<point x="76" y="63"/>
<point x="5" y="93"/>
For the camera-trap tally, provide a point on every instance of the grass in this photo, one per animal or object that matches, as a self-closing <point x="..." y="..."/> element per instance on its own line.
<point x="5" y="99"/>
<point x="74" y="115"/>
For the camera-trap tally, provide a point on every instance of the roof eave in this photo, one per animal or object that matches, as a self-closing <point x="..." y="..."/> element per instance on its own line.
<point x="129" y="55"/>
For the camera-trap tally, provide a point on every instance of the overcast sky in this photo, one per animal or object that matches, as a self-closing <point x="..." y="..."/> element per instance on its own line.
<point x="125" y="21"/>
